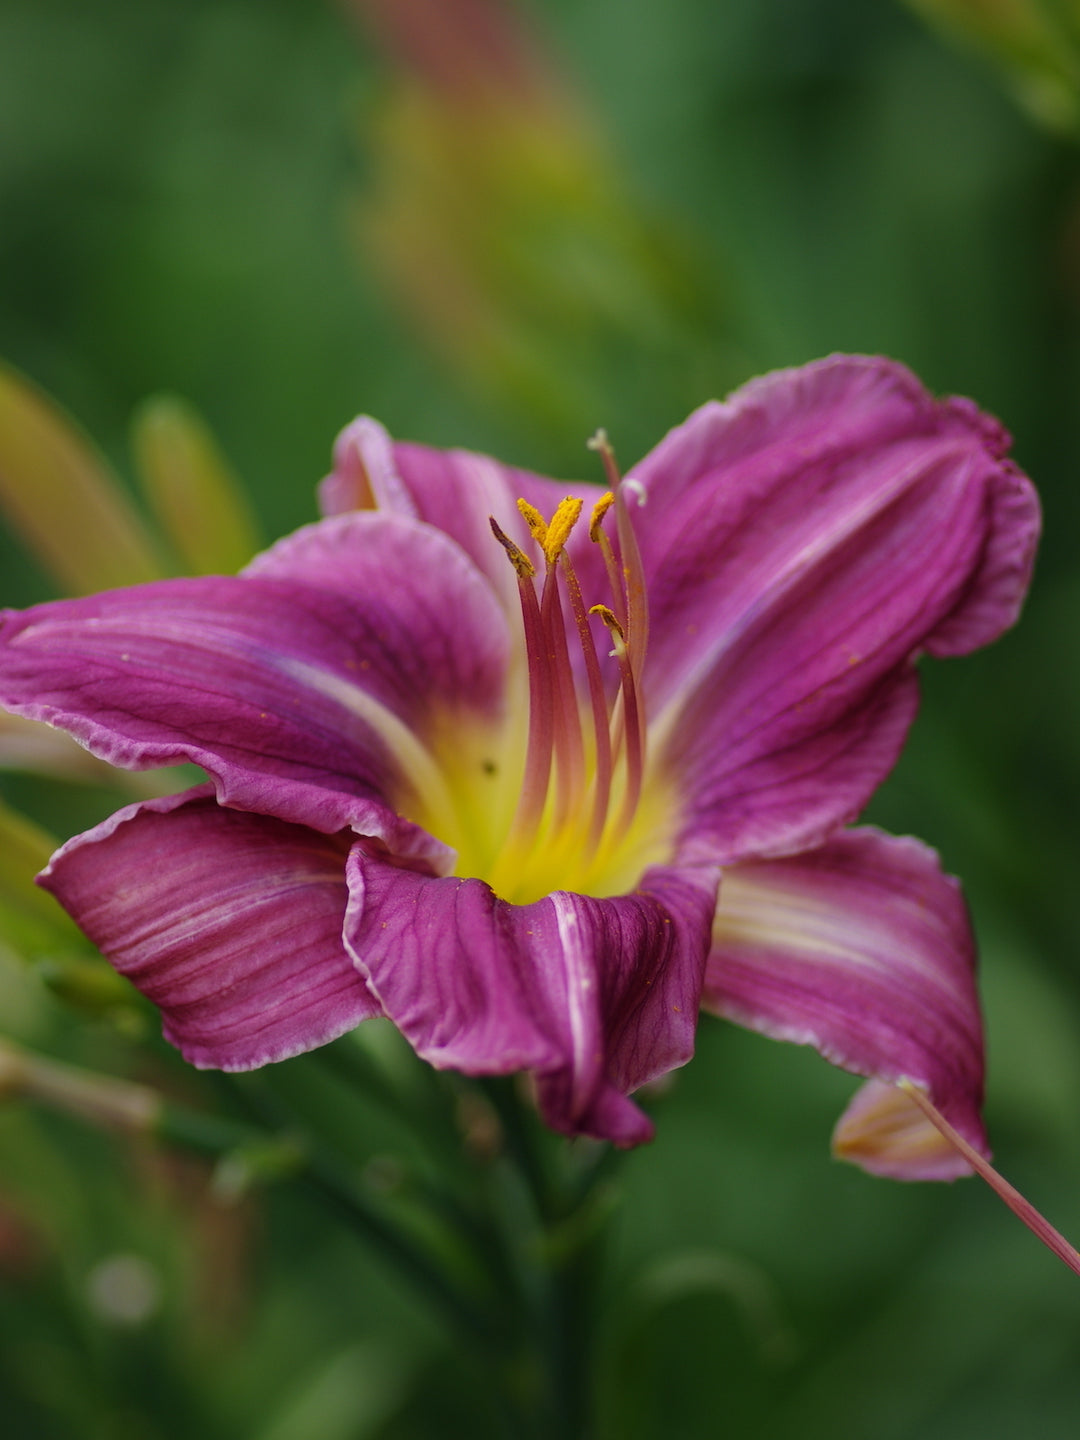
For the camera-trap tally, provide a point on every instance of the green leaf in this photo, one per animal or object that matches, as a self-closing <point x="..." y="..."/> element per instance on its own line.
<point x="60" y="496"/>
<point x="194" y="494"/>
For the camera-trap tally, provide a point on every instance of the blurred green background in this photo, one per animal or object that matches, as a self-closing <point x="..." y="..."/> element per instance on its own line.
<point x="288" y="212"/>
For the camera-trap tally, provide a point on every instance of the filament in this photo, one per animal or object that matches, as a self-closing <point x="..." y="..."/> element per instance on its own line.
<point x="597" y="703"/>
<point x="534" y="784"/>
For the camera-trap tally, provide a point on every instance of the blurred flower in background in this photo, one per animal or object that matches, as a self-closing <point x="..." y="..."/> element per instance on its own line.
<point x="502" y="221"/>
<point x="1035" y="43"/>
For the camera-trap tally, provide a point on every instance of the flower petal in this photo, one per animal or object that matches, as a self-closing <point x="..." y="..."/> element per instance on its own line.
<point x="364" y="476"/>
<point x="305" y="704"/>
<point x="596" y="996"/>
<point x="861" y="948"/>
<point x="229" y="922"/>
<point x="794" y="796"/>
<point x="885" y="1132"/>
<point x="803" y="542"/>
<point x="454" y="490"/>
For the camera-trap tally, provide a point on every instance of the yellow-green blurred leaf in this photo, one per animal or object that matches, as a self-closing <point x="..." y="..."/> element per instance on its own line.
<point x="87" y="983"/>
<point x="193" y="491"/>
<point x="502" y="222"/>
<point x="59" y="495"/>
<point x="31" y="922"/>
<point x="1036" y="43"/>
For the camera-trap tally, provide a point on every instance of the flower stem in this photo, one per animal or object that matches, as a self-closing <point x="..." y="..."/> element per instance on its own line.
<point x="558" y="1296"/>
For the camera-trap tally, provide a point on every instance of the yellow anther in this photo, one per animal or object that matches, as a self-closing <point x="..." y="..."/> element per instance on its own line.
<point x="611" y="621"/>
<point x="562" y="522"/>
<point x="520" y="561"/>
<point x="535" y="521"/>
<point x="599" y="510"/>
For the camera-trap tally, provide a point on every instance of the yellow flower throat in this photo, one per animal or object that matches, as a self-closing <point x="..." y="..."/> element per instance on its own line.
<point x="561" y="794"/>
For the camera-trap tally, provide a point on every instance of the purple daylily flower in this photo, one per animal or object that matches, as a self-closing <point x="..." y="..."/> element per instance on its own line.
<point x="484" y="763"/>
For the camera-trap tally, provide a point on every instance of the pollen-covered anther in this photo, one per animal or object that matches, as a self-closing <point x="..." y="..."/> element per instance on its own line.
<point x="611" y="620"/>
<point x="561" y="524"/>
<point x="520" y="561"/>
<point x="599" y="510"/>
<point x="538" y="526"/>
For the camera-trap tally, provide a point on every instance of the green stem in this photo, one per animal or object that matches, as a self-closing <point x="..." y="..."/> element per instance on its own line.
<point x="570" y="1214"/>
<point x="519" y="1129"/>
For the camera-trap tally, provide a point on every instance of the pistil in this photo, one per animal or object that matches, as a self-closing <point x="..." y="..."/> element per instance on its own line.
<point x="1022" y="1208"/>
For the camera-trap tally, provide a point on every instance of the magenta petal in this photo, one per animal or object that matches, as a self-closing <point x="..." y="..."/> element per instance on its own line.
<point x="455" y="490"/>
<point x="405" y="575"/>
<point x="229" y="922"/>
<point x="804" y="541"/>
<point x="863" y="949"/>
<point x="793" y="796"/>
<point x="365" y="475"/>
<point x="595" y="996"/>
<point x="306" y="703"/>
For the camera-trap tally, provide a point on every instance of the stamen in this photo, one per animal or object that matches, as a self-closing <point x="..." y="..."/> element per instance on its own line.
<point x="556" y="750"/>
<point x="1023" y="1209"/>
<point x="597" y="702"/>
<point x="535" y="521"/>
<point x="569" y="749"/>
<point x="635" y="757"/>
<point x="599" y="510"/>
<point x="562" y="522"/>
<point x="538" y="752"/>
<point x="520" y="561"/>
<point x="611" y="565"/>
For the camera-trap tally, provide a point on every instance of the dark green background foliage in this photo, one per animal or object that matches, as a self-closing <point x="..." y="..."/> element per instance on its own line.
<point x="178" y="191"/>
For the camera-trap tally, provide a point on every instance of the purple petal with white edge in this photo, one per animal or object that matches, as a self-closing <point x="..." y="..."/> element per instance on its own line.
<point x="863" y="949"/>
<point x="803" y="543"/>
<point x="456" y="491"/>
<point x="595" y="996"/>
<point x="364" y="476"/>
<point x="306" y="703"/>
<point x="229" y="922"/>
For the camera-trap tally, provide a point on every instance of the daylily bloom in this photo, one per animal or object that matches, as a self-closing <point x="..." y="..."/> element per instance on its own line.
<point x="538" y="775"/>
